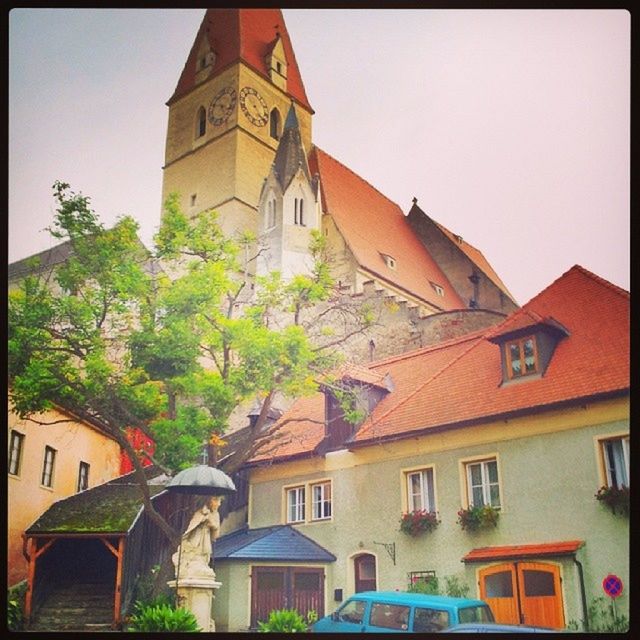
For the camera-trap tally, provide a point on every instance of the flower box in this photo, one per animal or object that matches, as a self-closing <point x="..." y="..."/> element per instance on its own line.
<point x="616" y="498"/>
<point x="475" y="518"/>
<point x="414" y="523"/>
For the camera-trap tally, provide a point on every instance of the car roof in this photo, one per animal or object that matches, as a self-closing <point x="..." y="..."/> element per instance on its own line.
<point x="417" y="599"/>
<point x="497" y="628"/>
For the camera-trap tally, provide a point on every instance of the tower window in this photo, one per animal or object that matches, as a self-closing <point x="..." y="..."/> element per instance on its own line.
<point x="271" y="213"/>
<point x="279" y="67"/>
<point x="274" y="124"/>
<point x="298" y="212"/>
<point x="193" y="199"/>
<point x="201" y="122"/>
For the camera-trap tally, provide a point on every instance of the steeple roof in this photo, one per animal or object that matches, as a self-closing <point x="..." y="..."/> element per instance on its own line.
<point x="245" y="35"/>
<point x="290" y="156"/>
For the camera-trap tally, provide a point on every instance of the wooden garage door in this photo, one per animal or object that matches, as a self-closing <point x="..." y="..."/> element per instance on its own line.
<point x="298" y="588"/>
<point x="524" y="593"/>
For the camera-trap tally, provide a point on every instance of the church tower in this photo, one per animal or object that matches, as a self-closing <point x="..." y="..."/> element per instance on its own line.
<point x="227" y="111"/>
<point x="289" y="207"/>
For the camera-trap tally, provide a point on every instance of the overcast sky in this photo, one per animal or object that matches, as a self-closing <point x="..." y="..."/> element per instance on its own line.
<point x="511" y="127"/>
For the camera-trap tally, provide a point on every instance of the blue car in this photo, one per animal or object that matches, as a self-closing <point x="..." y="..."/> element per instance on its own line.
<point x="398" y="612"/>
<point x="478" y="627"/>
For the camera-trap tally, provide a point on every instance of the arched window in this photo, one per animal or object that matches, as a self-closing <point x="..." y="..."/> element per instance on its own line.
<point x="274" y="124"/>
<point x="201" y="122"/>
<point x="295" y="211"/>
<point x="301" y="212"/>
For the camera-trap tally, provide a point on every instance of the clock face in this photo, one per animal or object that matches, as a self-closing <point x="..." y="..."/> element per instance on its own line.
<point x="222" y="106"/>
<point x="254" y="106"/>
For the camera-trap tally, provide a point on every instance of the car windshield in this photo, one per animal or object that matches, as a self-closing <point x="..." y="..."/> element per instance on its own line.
<point x="480" y="613"/>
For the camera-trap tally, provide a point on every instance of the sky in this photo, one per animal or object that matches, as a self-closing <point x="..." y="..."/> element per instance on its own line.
<point x="510" y="127"/>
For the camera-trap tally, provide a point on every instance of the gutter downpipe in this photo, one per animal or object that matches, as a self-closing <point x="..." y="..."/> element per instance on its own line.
<point x="583" y="595"/>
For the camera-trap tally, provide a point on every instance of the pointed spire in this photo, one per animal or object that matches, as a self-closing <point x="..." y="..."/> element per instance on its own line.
<point x="290" y="156"/>
<point x="242" y="35"/>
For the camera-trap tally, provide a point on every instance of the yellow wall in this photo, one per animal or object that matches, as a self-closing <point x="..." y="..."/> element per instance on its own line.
<point x="74" y="442"/>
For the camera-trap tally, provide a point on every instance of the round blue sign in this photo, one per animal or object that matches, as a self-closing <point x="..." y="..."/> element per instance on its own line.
<point x="612" y="586"/>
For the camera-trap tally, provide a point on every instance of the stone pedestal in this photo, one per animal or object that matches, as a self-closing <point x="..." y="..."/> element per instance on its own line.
<point x="196" y="595"/>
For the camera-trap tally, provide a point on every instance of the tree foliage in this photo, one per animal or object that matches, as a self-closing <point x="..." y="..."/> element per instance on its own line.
<point x="170" y="342"/>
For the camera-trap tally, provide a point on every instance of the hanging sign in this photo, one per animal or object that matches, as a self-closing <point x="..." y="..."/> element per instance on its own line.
<point x="612" y="586"/>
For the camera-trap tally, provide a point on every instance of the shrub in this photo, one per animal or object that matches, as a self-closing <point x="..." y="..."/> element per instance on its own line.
<point x="475" y="518"/>
<point x="162" y="617"/>
<point x="416" y="522"/>
<point x="287" y="621"/>
<point x="602" y="618"/>
<point x="427" y="585"/>
<point x="15" y="607"/>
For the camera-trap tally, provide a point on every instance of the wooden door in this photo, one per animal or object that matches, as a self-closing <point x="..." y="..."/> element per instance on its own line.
<point x="307" y="591"/>
<point x="524" y="593"/>
<point x="498" y="589"/>
<point x="365" y="572"/>
<point x="298" y="588"/>
<point x="268" y="592"/>
<point x="540" y="594"/>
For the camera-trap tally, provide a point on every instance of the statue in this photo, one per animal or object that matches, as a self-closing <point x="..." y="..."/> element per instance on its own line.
<point x="192" y="558"/>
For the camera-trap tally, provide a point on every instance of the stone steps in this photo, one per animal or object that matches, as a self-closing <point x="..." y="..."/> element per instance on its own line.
<point x="76" y="607"/>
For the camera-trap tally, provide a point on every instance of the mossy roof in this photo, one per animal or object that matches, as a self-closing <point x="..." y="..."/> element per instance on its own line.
<point x="106" y="509"/>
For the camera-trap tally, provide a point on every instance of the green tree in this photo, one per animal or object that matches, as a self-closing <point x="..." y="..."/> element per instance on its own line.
<point x="112" y="336"/>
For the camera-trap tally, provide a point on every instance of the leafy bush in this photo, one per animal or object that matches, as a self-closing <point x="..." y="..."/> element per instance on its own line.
<point x="415" y="522"/>
<point x="602" y="618"/>
<point x="15" y="607"/>
<point x="287" y="621"/>
<point x="430" y="585"/>
<point x="427" y="585"/>
<point x="455" y="588"/>
<point x="162" y="617"/>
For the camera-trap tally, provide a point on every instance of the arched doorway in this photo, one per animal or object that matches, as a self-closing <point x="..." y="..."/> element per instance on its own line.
<point x="364" y="570"/>
<point x="524" y="593"/>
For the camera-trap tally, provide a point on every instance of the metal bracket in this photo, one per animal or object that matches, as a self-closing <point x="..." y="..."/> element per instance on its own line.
<point x="390" y="548"/>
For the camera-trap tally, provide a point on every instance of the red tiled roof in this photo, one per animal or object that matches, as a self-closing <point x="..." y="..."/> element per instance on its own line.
<point x="459" y="382"/>
<point x="247" y="35"/>
<point x="373" y="226"/>
<point x="487" y="554"/>
<point x="475" y="255"/>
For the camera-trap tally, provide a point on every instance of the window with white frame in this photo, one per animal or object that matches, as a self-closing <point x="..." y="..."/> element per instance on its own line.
<point x="83" y="476"/>
<point x="295" y="504"/>
<point x="483" y="487"/>
<point x="615" y="452"/>
<point x="420" y="491"/>
<point x="16" y="444"/>
<point x="47" y="466"/>
<point x="321" y="500"/>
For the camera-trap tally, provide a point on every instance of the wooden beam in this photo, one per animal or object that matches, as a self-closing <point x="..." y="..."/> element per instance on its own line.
<point x="31" y="553"/>
<point x="118" y="594"/>
<point x="42" y="549"/>
<point x="110" y="546"/>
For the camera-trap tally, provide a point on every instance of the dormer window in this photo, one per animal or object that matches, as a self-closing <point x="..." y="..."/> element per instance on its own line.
<point x="522" y="357"/>
<point x="437" y="288"/>
<point x="527" y="343"/>
<point x="390" y="261"/>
